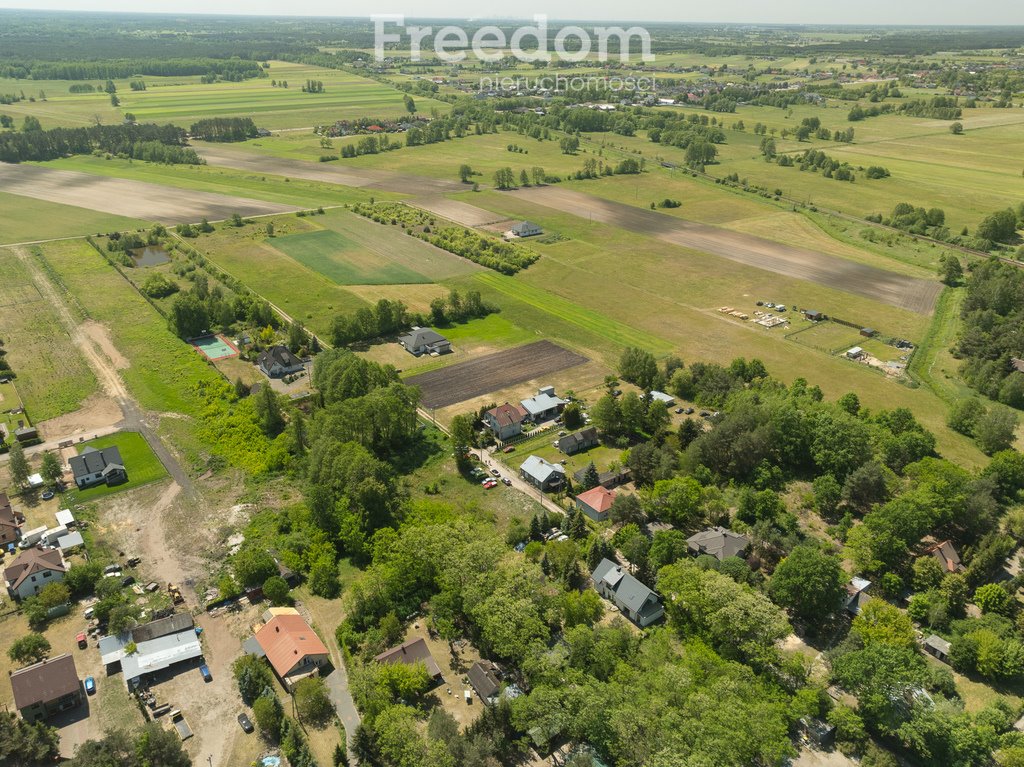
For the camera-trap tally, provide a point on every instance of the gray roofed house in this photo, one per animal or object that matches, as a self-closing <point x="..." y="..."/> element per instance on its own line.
<point x="544" y="406"/>
<point x="412" y="652"/>
<point x="937" y="647"/>
<point x="946" y="555"/>
<point x="635" y="600"/>
<point x="541" y="474"/>
<point x="278" y="361"/>
<point x="607" y="479"/>
<point x="579" y="441"/>
<point x="98" y="467"/>
<point x="857" y="595"/>
<point x="484" y="680"/>
<point x="526" y="229"/>
<point x="718" y="542"/>
<point x="424" y="341"/>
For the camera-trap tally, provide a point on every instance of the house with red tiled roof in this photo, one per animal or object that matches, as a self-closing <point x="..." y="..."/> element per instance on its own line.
<point x="291" y="647"/>
<point x="946" y="556"/>
<point x="505" y="421"/>
<point x="33" y="569"/>
<point x="596" y="503"/>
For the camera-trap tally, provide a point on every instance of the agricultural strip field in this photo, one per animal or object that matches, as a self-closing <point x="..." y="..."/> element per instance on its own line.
<point x="343" y="261"/>
<point x="26" y="219"/>
<point x="123" y="197"/>
<point x="917" y="295"/>
<point x="164" y="374"/>
<point x="389" y="181"/>
<point x="457" y="383"/>
<point x="52" y="376"/>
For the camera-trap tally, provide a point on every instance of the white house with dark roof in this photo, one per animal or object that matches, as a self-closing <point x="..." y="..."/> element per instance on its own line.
<point x="635" y="600"/>
<point x="543" y="475"/>
<point x="424" y="341"/>
<point x="505" y="421"/>
<point x="278" y="361"/>
<point x="34" y="569"/>
<point x="525" y="229"/>
<point x="98" y="467"/>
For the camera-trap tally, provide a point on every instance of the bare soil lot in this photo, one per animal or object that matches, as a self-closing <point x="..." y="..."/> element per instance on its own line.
<point x="910" y="293"/>
<point x="387" y="181"/>
<point x="473" y="378"/>
<point x="135" y="199"/>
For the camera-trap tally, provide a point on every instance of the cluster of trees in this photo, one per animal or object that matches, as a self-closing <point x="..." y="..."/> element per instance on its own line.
<point x="1002" y="226"/>
<point x="369" y="145"/>
<point x="504" y="257"/>
<point x="313" y="86"/>
<point x="202" y="308"/>
<point x="993" y="428"/>
<point x="930" y="222"/>
<point x="116" y="69"/>
<point x="858" y="113"/>
<point x="936" y="108"/>
<point x="990" y="341"/>
<point x="5" y="366"/>
<point x="224" y="129"/>
<point x="815" y="160"/>
<point x="161" y="143"/>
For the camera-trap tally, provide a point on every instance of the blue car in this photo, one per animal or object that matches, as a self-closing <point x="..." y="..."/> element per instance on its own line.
<point x="90" y="685"/>
<point x="205" y="671"/>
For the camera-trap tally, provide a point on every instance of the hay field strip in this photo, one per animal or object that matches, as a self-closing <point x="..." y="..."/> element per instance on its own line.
<point x="344" y="261"/>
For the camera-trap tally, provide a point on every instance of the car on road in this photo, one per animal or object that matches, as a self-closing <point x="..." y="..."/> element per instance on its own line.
<point x="90" y="685"/>
<point x="205" y="671"/>
<point x="47" y="495"/>
<point x="245" y="722"/>
<point x="495" y="472"/>
<point x="507" y="481"/>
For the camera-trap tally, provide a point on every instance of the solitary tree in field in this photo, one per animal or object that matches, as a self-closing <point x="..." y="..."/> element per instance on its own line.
<point x="465" y="173"/>
<point x="18" y="465"/>
<point x="410" y="105"/>
<point x="956" y="128"/>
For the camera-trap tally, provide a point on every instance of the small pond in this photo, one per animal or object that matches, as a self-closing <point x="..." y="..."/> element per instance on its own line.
<point x="150" y="256"/>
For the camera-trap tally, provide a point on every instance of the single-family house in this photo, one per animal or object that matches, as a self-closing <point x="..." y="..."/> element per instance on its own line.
<point x="544" y="405"/>
<point x="33" y="569"/>
<point x="46" y="688"/>
<point x="857" y="595"/>
<point x="937" y="647"/>
<point x="278" y="361"/>
<point x="26" y="434"/>
<point x="159" y="645"/>
<point x="596" y="503"/>
<point x="505" y="421"/>
<point x="291" y="646"/>
<point x="947" y="557"/>
<point x="525" y="229"/>
<point x="634" y="600"/>
<point x="484" y="679"/>
<point x="718" y="542"/>
<point x="10" y="523"/>
<point x="665" y="399"/>
<point x="579" y="441"/>
<point x="424" y="341"/>
<point x="410" y="653"/>
<point x="98" y="467"/>
<point x="543" y="475"/>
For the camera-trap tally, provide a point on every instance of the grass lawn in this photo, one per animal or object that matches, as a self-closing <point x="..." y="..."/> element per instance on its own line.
<point x="343" y="261"/>
<point x="27" y="219"/>
<point x="602" y="456"/>
<point x="52" y="376"/>
<point x="139" y="460"/>
<point x="163" y="372"/>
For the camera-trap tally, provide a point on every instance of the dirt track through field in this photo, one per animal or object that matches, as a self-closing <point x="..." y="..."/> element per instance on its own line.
<point x="325" y="172"/>
<point x="916" y="295"/>
<point x="123" y="197"/>
<point x="473" y="378"/>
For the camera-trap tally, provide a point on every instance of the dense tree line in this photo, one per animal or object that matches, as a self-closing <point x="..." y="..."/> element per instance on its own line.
<point x="993" y="315"/>
<point x="224" y="129"/>
<point x="127" y="140"/>
<point x="117" y="69"/>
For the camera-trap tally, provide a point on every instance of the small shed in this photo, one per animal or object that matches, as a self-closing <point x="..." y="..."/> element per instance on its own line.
<point x="937" y="647"/>
<point x="868" y="332"/>
<point x="855" y="353"/>
<point x="818" y="733"/>
<point x="813" y="316"/>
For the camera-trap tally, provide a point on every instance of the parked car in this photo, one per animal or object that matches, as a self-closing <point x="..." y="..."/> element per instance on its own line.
<point x="495" y="472"/>
<point x="704" y="413"/>
<point x="90" y="685"/>
<point x="88" y="613"/>
<point x="679" y="410"/>
<point x="127" y="581"/>
<point x="81" y="639"/>
<point x="112" y="569"/>
<point x="205" y="671"/>
<point x="133" y="561"/>
<point x="509" y="449"/>
<point x="689" y="411"/>
<point x="245" y="723"/>
<point x="507" y="481"/>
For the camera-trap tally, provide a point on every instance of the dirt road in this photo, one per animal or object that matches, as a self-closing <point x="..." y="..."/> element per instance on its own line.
<point x="123" y="197"/>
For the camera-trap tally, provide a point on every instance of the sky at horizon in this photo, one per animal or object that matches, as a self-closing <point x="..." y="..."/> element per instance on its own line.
<point x="875" y="12"/>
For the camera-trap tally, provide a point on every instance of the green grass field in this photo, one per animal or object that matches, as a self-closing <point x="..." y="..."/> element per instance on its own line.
<point x="52" y="376"/>
<point x="343" y="261"/>
<point x="164" y="372"/>
<point x="26" y="219"/>
<point x="140" y="462"/>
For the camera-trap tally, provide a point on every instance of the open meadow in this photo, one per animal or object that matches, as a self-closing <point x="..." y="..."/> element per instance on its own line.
<point x="28" y="219"/>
